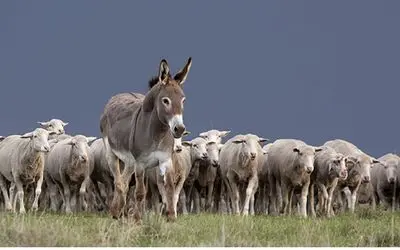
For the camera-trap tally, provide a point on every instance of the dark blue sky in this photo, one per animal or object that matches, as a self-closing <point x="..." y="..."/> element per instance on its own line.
<point x="311" y="70"/>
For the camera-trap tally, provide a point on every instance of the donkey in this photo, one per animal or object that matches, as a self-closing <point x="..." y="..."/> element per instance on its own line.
<point x="140" y="130"/>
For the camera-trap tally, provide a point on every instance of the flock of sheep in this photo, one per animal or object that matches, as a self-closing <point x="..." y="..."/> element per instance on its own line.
<point x="143" y="162"/>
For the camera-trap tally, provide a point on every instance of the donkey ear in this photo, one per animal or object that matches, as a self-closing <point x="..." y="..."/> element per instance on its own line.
<point x="163" y="72"/>
<point x="180" y="77"/>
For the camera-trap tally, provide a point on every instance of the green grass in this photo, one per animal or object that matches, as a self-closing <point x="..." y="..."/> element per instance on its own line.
<point x="365" y="228"/>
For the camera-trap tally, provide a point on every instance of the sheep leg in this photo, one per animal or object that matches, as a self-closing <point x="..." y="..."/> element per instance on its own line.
<point x="329" y="210"/>
<point x="321" y="204"/>
<point x="38" y="191"/>
<point x="19" y="195"/>
<point x="210" y="188"/>
<point x="291" y="196"/>
<point x="374" y="200"/>
<point x="161" y="189"/>
<point x="311" y="200"/>
<point x="324" y="195"/>
<point x="82" y="191"/>
<point x="182" y="199"/>
<point x="226" y="194"/>
<point x="67" y="194"/>
<point x="253" y="183"/>
<point x="252" y="198"/>
<point x="53" y="195"/>
<point x="234" y="193"/>
<point x="12" y="194"/>
<point x="4" y="190"/>
<point x="102" y="199"/>
<point x="354" y="197"/>
<point x="170" y="196"/>
<point x="178" y="192"/>
<point x="196" y="201"/>
<point x="285" y="197"/>
<point x="272" y="195"/>
<point x="386" y="204"/>
<point x="303" y="200"/>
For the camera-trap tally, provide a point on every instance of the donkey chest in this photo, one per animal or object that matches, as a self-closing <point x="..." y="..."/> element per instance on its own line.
<point x="154" y="159"/>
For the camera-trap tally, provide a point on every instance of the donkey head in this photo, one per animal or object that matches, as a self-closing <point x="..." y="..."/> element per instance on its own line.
<point x="166" y="97"/>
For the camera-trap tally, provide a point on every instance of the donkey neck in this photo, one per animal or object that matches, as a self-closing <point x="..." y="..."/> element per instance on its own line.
<point x="149" y="133"/>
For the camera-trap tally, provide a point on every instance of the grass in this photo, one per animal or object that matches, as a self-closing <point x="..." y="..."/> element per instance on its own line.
<point x="365" y="228"/>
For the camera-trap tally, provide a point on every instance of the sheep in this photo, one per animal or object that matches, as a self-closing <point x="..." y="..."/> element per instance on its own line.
<point x="207" y="172"/>
<point x="262" y="197"/>
<point x="54" y="125"/>
<point x="101" y="172"/>
<point x="22" y="163"/>
<point x="358" y="164"/>
<point x="290" y="164"/>
<point x="176" y="175"/>
<point x="198" y="155"/>
<point x="384" y="177"/>
<point x="329" y="166"/>
<point x="214" y="135"/>
<point x="69" y="164"/>
<point x="240" y="160"/>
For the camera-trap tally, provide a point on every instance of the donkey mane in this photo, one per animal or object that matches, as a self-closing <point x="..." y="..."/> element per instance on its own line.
<point x="154" y="80"/>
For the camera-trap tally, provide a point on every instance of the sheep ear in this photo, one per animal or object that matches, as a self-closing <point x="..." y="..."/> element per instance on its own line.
<point x="186" y="133"/>
<point x="224" y="133"/>
<point x="187" y="143"/>
<point x="71" y="141"/>
<point x="27" y="135"/>
<point x="43" y="124"/>
<point x="373" y="160"/>
<point x="203" y="134"/>
<point x="90" y="139"/>
<point x="318" y="149"/>
<point x="237" y="141"/>
<point x="262" y="140"/>
<point x="65" y="123"/>
<point x="210" y="143"/>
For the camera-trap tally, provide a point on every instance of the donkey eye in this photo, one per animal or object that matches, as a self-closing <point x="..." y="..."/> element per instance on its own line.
<point x="165" y="101"/>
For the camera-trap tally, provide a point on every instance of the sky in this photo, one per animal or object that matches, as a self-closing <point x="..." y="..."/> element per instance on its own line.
<point x="309" y="70"/>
